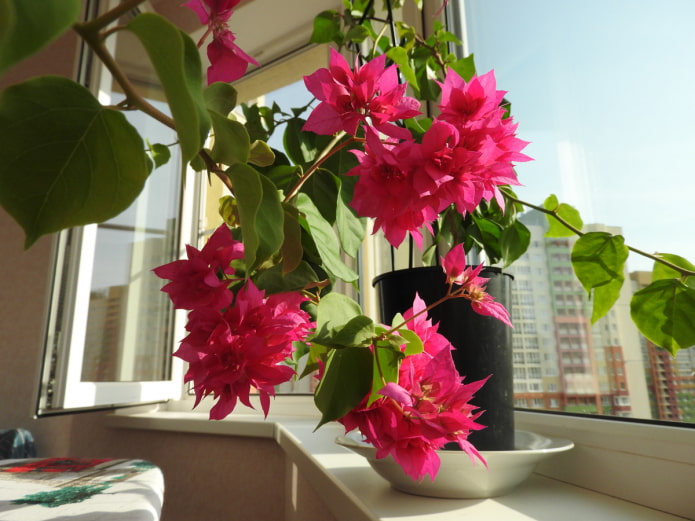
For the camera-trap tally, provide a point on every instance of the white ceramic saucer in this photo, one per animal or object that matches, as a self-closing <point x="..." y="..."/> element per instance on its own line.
<point x="458" y="476"/>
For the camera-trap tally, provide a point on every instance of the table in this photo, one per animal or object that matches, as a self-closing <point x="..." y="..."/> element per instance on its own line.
<point x="38" y="489"/>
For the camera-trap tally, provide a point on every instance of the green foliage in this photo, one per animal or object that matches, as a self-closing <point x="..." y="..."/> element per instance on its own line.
<point x="176" y="61"/>
<point x="324" y="239"/>
<point x="161" y="154"/>
<point x="347" y="379"/>
<point x="326" y="28"/>
<point x="598" y="259"/>
<point x="25" y="28"/>
<point x="661" y="271"/>
<point x="260" y="213"/>
<point x="663" y="313"/>
<point x="565" y="212"/>
<point x="55" y="137"/>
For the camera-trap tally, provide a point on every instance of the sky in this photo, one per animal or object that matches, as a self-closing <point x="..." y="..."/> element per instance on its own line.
<point x="603" y="90"/>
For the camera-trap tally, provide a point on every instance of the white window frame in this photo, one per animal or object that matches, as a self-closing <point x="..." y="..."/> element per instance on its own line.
<point x="62" y="388"/>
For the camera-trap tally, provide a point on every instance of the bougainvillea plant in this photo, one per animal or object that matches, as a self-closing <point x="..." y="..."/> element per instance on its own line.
<point x="259" y="292"/>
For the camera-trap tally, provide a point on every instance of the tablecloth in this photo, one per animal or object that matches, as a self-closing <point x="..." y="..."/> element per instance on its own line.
<point x="74" y="488"/>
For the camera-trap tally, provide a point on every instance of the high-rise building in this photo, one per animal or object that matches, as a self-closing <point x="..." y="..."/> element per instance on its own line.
<point x="562" y="360"/>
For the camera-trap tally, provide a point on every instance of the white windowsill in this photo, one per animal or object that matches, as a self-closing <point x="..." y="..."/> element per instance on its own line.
<point x="352" y="491"/>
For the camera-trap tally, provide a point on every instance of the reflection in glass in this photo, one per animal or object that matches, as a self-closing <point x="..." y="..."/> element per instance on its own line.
<point x="129" y="319"/>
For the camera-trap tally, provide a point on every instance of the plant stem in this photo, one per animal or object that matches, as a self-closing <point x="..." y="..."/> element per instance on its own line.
<point x="89" y="32"/>
<point x="325" y="154"/>
<point x="428" y="308"/>
<point x="683" y="272"/>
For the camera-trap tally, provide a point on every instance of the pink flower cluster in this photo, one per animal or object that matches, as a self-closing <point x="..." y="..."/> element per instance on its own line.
<point x="227" y="61"/>
<point x="465" y="155"/>
<point x="237" y="341"/>
<point x="471" y="286"/>
<point x="368" y="95"/>
<point x="427" y="408"/>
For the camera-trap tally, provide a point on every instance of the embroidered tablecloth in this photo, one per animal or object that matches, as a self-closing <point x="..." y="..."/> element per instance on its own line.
<point x="85" y="489"/>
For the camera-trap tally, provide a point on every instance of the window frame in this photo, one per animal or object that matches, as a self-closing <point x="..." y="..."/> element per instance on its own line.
<point x="61" y="389"/>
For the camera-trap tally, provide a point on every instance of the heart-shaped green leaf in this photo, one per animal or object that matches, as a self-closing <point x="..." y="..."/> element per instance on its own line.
<point x="65" y="160"/>
<point x="663" y="313"/>
<point x="598" y="259"/>
<point x="346" y="380"/>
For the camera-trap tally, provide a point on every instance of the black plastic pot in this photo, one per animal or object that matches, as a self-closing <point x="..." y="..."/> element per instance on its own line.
<point x="483" y="344"/>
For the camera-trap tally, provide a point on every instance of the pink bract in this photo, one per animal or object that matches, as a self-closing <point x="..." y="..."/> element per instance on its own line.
<point x="427" y="408"/>
<point x="472" y="286"/>
<point x="244" y="348"/>
<point x="370" y="95"/>
<point x="488" y="138"/>
<point x="387" y="189"/>
<point x="196" y="282"/>
<point x="227" y="61"/>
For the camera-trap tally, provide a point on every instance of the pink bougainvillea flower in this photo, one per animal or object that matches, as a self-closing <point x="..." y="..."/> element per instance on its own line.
<point x="228" y="62"/>
<point x="242" y="348"/>
<point x="487" y="137"/>
<point x="473" y="103"/>
<point x="196" y="282"/>
<point x="456" y="270"/>
<point x="485" y="304"/>
<point x="427" y="408"/>
<point x="472" y="286"/>
<point x="386" y="190"/>
<point x="370" y="94"/>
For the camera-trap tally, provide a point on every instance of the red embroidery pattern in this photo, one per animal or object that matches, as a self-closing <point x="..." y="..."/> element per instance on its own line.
<point x="57" y="465"/>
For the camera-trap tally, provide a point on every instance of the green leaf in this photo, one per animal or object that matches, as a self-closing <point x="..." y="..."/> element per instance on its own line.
<point x="176" y="60"/>
<point x="662" y="271"/>
<point x="356" y="34"/>
<point x="261" y="154"/>
<point x="220" y="97"/>
<point x="358" y="331"/>
<point x="231" y="141"/>
<point x="160" y="153"/>
<point x="514" y="241"/>
<point x="325" y="240"/>
<point x="333" y="312"/>
<point x="300" y="146"/>
<point x="27" y="27"/>
<point x="292" y="251"/>
<point x="260" y="213"/>
<point x="316" y="352"/>
<point x="273" y="280"/>
<point x="663" y="313"/>
<point x="598" y="259"/>
<point x="269" y="221"/>
<point x="55" y="137"/>
<point x="387" y="359"/>
<point x="326" y="27"/>
<point x="323" y="188"/>
<point x="346" y="380"/>
<point x="351" y="229"/>
<point x="465" y="67"/>
<point x="413" y="343"/>
<point x="566" y="212"/>
<point x="400" y="57"/>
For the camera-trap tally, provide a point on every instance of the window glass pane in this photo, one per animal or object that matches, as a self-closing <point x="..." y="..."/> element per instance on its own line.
<point x="129" y="318"/>
<point x="602" y="91"/>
